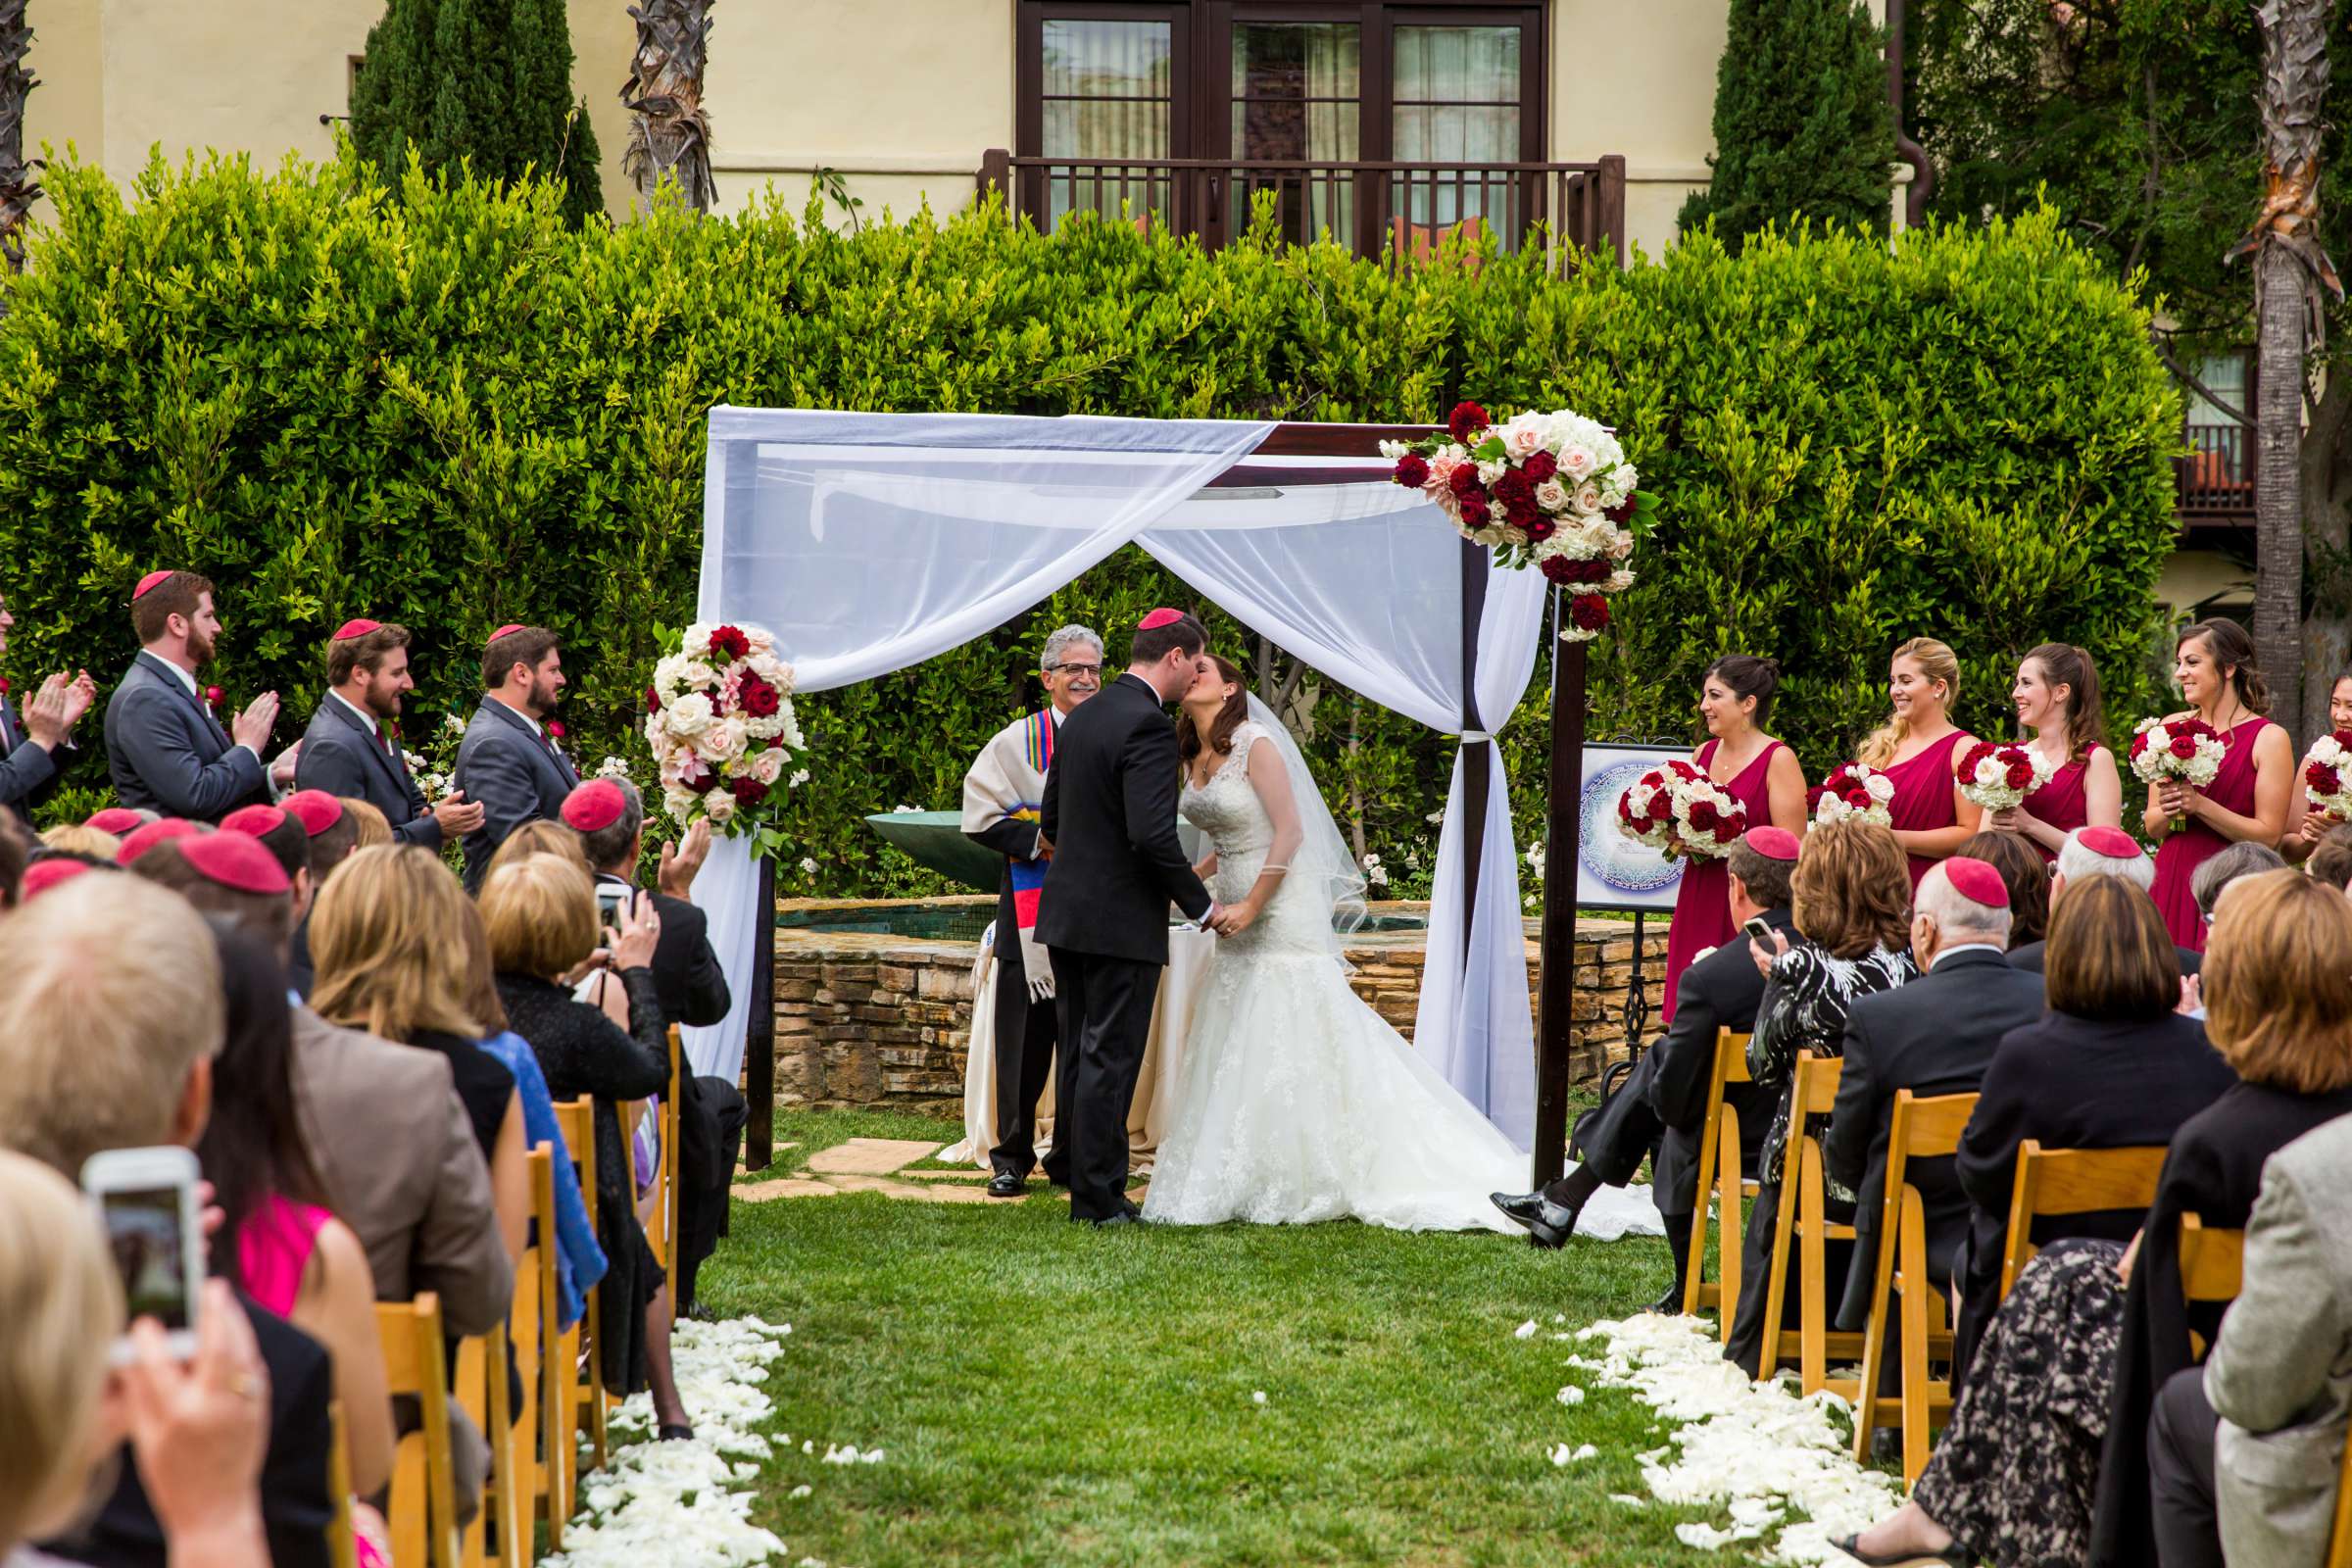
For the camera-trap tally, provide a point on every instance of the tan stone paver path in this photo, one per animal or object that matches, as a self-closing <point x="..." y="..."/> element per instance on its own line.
<point x="881" y="1165"/>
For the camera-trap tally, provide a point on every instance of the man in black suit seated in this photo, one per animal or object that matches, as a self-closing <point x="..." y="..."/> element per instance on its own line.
<point x="164" y="747"/>
<point x="507" y="761"/>
<point x="1661" y="1109"/>
<point x="351" y="750"/>
<point x="29" y="741"/>
<point x="2097" y="852"/>
<point x="113" y="991"/>
<point x="1935" y="1036"/>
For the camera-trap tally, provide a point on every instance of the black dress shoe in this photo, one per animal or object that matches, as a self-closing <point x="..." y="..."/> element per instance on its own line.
<point x="1132" y="1206"/>
<point x="674" y="1433"/>
<point x="1519" y="1207"/>
<point x="1950" y="1557"/>
<point x="1005" y="1184"/>
<point x="1122" y="1217"/>
<point x="1671" y="1303"/>
<point x="1552" y="1224"/>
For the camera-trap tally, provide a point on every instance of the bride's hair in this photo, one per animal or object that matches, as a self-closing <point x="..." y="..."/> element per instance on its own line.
<point x="1231" y="717"/>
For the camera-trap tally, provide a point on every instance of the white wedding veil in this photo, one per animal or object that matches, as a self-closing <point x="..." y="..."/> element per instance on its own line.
<point x="1322" y="855"/>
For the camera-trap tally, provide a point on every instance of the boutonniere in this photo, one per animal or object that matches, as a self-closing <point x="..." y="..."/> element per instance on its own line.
<point x="213" y="696"/>
<point x="3" y="685"/>
<point x="555" y="729"/>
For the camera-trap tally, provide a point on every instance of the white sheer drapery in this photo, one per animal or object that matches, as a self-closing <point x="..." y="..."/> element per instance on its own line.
<point x="867" y="543"/>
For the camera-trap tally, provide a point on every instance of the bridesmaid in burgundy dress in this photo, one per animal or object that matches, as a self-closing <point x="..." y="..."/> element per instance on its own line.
<point x="1918" y="747"/>
<point x="2213" y="664"/>
<point x="2305" y="827"/>
<point x="1760" y="773"/>
<point x="2057" y="698"/>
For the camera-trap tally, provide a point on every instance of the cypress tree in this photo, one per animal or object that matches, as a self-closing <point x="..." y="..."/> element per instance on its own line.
<point x="1803" y="129"/>
<point x="483" y="82"/>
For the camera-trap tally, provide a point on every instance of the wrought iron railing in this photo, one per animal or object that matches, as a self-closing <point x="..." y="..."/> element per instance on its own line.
<point x="2216" y="480"/>
<point x="1392" y="208"/>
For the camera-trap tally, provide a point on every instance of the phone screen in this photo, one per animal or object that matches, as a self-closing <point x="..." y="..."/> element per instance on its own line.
<point x="143" y="1229"/>
<point x="1759" y="928"/>
<point x="608" y="904"/>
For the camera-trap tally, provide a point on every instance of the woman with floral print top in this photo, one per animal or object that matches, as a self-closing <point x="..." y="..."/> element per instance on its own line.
<point x="1850" y="899"/>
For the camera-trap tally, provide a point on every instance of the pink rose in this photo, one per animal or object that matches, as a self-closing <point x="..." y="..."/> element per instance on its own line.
<point x="1587" y="496"/>
<point x="1577" y="463"/>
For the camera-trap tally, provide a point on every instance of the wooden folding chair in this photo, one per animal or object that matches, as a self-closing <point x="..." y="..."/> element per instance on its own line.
<point x="2212" y="1264"/>
<point x="662" y="1226"/>
<point x="480" y="1390"/>
<point x="2073" y="1181"/>
<point x="1721" y="1178"/>
<point x="583" y="1399"/>
<point x="1921" y="1129"/>
<point x="342" y="1536"/>
<point x="2339" y="1543"/>
<point x="531" y="1340"/>
<point x="1805" y="1223"/>
<point x="423" y="1497"/>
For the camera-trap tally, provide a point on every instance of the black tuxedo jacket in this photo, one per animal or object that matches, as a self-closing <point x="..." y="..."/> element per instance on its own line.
<point x="1935" y="1036"/>
<point x="1110" y="813"/>
<point x="515" y="773"/>
<point x="341" y="755"/>
<point x="28" y="772"/>
<point x="168" y="753"/>
<point x="686" y="972"/>
<point x="1720" y="990"/>
<point x="2030" y="956"/>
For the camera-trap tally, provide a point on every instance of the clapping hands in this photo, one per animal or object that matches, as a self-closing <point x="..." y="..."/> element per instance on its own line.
<point x="53" y="710"/>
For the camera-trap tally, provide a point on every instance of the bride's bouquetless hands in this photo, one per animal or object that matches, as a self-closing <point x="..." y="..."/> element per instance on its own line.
<point x="1235" y="920"/>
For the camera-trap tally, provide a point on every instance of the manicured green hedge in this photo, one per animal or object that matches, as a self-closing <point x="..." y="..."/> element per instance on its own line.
<point x="455" y="410"/>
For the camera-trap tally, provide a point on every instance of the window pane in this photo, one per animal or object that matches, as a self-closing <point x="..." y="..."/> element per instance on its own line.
<point x="1457" y="102"/>
<point x="1106" y="90"/>
<point x="1106" y="59"/>
<point x="1458" y="64"/>
<point x="1298" y="97"/>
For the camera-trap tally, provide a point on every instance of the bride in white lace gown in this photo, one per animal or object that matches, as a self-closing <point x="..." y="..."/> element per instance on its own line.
<point x="1299" y="1103"/>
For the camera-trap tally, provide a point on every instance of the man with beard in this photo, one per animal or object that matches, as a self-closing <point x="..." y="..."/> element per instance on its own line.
<point x="506" y="763"/>
<point x="351" y="750"/>
<point x="166" y="750"/>
<point x="29" y="741"/>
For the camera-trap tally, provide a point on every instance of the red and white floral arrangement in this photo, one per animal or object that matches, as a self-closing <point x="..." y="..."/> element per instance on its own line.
<point x="718" y="719"/>
<point x="1552" y="491"/>
<point x="2327" y="777"/>
<point x="1854" y="790"/>
<point x="2186" y="749"/>
<point x="1998" y="775"/>
<point x="1677" y="810"/>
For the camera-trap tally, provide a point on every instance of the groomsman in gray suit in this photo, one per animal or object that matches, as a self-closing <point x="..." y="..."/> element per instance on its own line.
<point x="507" y="761"/>
<point x="29" y="741"/>
<point x="350" y="749"/>
<point x="166" y="750"/>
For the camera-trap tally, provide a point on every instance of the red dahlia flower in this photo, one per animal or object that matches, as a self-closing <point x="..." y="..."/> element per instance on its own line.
<point x="749" y="791"/>
<point x="1412" y="470"/>
<point x="1466" y="421"/>
<point x="653" y="700"/>
<point x="2321" y="779"/>
<point x="730" y="640"/>
<point x="1540" y="466"/>
<point x="1589" y="612"/>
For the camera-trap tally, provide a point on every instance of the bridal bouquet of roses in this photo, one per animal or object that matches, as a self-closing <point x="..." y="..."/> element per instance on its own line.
<point x="2327" y="777"/>
<point x="718" y="719"/>
<point x="1677" y="810"/>
<point x="1854" y="789"/>
<point x="1552" y="491"/>
<point x="1998" y="775"/>
<point x="2184" y="750"/>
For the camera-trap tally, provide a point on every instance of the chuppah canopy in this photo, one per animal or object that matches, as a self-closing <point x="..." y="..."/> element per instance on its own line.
<point x="869" y="542"/>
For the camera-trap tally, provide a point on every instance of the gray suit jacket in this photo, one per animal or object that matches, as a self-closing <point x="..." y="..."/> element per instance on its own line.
<point x="28" y="772"/>
<point x="341" y="755"/>
<point x="2281" y="1372"/>
<point x="399" y="1165"/>
<point x="516" y="774"/>
<point x="168" y="753"/>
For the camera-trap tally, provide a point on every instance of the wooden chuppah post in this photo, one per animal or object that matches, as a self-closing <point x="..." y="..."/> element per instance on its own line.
<point x="1563" y="811"/>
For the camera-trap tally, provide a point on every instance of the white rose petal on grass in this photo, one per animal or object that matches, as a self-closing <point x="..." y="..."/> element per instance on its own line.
<point x="803" y="1489"/>
<point x="1571" y="1394"/>
<point x="1525" y="1331"/>
<point x="1257" y="1396"/>
<point x="1628" y="1500"/>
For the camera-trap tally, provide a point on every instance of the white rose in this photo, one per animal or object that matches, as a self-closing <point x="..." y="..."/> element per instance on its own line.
<point x="656" y="732"/>
<point x="1522" y="438"/>
<point x="1621" y="546"/>
<point x="697" y="675"/>
<point x="720" y="805"/>
<point x="800" y="776"/>
<point x="697" y="640"/>
<point x="1392" y="450"/>
<point x="669" y="675"/>
<point x="680" y="804"/>
<point x="723" y="741"/>
<point x="1498" y="513"/>
<point x="764" y="729"/>
<point x="791" y="734"/>
<point x="1577" y="462"/>
<point x="690" y="715"/>
<point x="1552" y="495"/>
<point x="769" y="765"/>
<point x="1587" y="496"/>
<point x="1488" y="473"/>
<point x="1619" y="581"/>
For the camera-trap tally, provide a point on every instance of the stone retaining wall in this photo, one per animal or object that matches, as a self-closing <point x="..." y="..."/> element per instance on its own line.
<point x="883" y="1021"/>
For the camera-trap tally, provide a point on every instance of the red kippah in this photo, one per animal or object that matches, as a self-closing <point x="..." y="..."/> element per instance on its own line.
<point x="148" y="581"/>
<point x="148" y="835"/>
<point x="1772" y="843"/>
<point x="254" y="821"/>
<point x="507" y="630"/>
<point x="42" y="875"/>
<point x="316" y="810"/>
<point x="354" y="628"/>
<point x="594" y="806"/>
<point x="1977" y="881"/>
<point x="2112" y="842"/>
<point x="115" y="820"/>
<point x="1158" y="619"/>
<point x="236" y="861"/>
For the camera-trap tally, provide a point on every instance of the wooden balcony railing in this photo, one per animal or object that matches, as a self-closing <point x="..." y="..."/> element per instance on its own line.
<point x="1378" y="208"/>
<point x="2215" y="481"/>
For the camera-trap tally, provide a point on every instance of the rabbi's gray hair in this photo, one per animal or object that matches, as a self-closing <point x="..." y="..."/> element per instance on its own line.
<point x="1062" y="641"/>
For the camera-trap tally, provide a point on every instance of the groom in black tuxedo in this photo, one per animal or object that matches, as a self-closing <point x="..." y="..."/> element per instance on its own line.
<point x="1108" y="824"/>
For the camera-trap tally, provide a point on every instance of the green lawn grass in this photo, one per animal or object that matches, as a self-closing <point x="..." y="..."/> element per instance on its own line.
<point x="1053" y="1395"/>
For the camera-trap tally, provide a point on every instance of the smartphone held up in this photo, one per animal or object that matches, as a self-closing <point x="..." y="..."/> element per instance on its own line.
<point x="147" y="1199"/>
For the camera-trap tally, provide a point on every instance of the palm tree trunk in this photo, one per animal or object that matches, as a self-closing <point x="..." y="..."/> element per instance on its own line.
<point x="18" y="188"/>
<point x="669" y="132"/>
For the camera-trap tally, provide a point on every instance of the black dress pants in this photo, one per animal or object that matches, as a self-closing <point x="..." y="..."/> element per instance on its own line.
<point x="1105" y="1017"/>
<point x="2180" y="1433"/>
<point x="1026" y="1032"/>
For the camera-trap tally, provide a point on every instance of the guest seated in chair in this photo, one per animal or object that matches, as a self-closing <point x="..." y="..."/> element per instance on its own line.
<point x="2098" y="852"/>
<point x="2048" y="1433"/>
<point x="1661" y="1109"/>
<point x="2027" y="876"/>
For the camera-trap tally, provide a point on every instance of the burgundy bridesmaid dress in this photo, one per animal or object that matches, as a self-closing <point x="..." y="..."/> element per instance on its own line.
<point x="1702" y="908"/>
<point x="2180" y="853"/>
<point x="1923" y="796"/>
<point x="2063" y="802"/>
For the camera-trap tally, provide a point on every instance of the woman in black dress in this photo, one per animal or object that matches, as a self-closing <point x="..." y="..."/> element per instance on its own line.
<point x="2045" y="1459"/>
<point x="541" y="913"/>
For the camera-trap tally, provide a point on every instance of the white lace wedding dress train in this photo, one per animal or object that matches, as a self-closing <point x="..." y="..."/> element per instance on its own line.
<point x="1299" y="1103"/>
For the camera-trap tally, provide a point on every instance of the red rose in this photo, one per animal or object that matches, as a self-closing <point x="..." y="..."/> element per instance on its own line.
<point x="1539" y="528"/>
<point x="1619" y="512"/>
<point x="2139" y="742"/>
<point x="2185" y="747"/>
<point x="1625" y="807"/>
<point x="1412" y="470"/>
<point x="1661" y="810"/>
<point x="1464" y="480"/>
<point x="1474" y="505"/>
<point x="730" y="640"/>
<point x="1514" y="490"/>
<point x="749" y="791"/>
<point x="757" y="698"/>
<point x="653" y="701"/>
<point x="1731" y="827"/>
<point x="555" y="729"/>
<point x="1466" y="421"/>
<point x="2323" y="779"/>
<point x="1589" y="612"/>
<point x="2343" y="737"/>
<point x="2021" y="774"/>
<point x="3" y="685"/>
<point x="1858" y="798"/>
<point x="1541" y="467"/>
<point x="1703" y="814"/>
<point x="1974" y="755"/>
<point x="1565" y="570"/>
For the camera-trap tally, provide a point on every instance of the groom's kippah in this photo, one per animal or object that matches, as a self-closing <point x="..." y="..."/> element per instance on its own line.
<point x="147" y="582"/>
<point x="507" y="630"/>
<point x="159" y="831"/>
<point x="1158" y="619"/>
<point x="2112" y="842"/>
<point x="1977" y="881"/>
<point x="360" y="627"/>
<point x="1772" y="843"/>
<point x="594" y="806"/>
